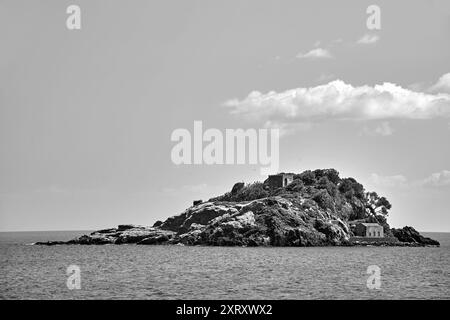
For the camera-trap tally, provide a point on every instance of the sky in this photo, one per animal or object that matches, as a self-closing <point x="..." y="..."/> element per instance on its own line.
<point x="86" y="116"/>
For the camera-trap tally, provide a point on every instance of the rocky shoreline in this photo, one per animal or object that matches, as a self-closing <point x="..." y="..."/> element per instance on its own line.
<point x="140" y="235"/>
<point x="313" y="208"/>
<point x="219" y="224"/>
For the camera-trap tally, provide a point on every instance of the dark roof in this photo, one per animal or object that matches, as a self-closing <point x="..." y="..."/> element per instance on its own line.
<point x="281" y="174"/>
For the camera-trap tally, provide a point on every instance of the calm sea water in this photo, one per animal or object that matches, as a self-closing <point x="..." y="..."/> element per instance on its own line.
<point x="174" y="272"/>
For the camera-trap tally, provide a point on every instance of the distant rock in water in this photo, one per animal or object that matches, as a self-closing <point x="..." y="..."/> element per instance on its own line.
<point x="317" y="208"/>
<point x="410" y="235"/>
<point x="120" y="235"/>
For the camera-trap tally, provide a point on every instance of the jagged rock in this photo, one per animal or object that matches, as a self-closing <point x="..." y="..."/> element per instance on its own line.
<point x="49" y="243"/>
<point x="123" y="227"/>
<point x="334" y="232"/>
<point x="120" y="235"/>
<point x="237" y="187"/>
<point x="137" y="235"/>
<point x="410" y="235"/>
<point x="270" y="221"/>
<point x="196" y="226"/>
<point x="200" y="214"/>
<point x="110" y="230"/>
<point x="157" y="223"/>
<point x="156" y="239"/>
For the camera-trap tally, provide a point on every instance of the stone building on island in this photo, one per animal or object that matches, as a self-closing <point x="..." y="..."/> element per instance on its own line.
<point x="280" y="180"/>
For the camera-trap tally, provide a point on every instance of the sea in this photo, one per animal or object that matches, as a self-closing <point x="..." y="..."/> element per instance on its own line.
<point x="184" y="272"/>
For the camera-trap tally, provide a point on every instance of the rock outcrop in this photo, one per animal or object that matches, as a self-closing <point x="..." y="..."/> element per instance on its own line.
<point x="410" y="235"/>
<point x="123" y="234"/>
<point x="313" y="210"/>
<point x="272" y="221"/>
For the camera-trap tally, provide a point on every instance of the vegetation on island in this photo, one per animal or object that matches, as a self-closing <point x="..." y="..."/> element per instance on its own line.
<point x="327" y="189"/>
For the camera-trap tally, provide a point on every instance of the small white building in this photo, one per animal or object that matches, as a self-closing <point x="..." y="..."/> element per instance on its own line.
<point x="369" y="230"/>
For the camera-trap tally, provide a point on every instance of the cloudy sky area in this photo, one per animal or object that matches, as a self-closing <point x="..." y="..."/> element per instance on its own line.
<point x="86" y="116"/>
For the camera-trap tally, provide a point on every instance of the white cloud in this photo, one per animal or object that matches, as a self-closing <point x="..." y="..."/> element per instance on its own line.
<point x="287" y="129"/>
<point x="340" y="101"/>
<point x="383" y="129"/>
<point x="317" y="53"/>
<point x="442" y="85"/>
<point x="368" y="39"/>
<point x="438" y="179"/>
